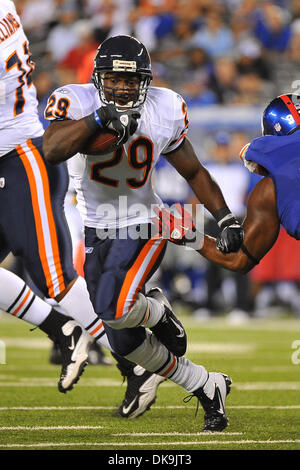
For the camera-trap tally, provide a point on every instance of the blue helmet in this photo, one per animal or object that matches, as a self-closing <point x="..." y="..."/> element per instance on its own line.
<point x="282" y="115"/>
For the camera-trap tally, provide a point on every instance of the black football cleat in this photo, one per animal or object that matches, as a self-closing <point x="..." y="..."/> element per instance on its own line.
<point x="169" y="330"/>
<point x="140" y="393"/>
<point x="74" y="343"/>
<point x="212" y="397"/>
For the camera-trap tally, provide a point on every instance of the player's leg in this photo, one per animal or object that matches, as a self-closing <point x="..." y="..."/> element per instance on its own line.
<point x="141" y="390"/>
<point x="17" y="299"/>
<point x="21" y="220"/>
<point x="126" y="264"/>
<point x="141" y="384"/>
<point x="210" y="388"/>
<point x="118" y="261"/>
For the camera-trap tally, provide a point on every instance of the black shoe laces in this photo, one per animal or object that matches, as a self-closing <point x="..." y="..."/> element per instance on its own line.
<point x="189" y="398"/>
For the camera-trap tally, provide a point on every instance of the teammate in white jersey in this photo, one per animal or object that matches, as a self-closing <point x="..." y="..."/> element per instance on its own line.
<point x="149" y="122"/>
<point x="33" y="225"/>
<point x="22" y="195"/>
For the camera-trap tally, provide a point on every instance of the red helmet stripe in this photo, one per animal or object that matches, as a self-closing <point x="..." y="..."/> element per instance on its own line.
<point x="292" y="108"/>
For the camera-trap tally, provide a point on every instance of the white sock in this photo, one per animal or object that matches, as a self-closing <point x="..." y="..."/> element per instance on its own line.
<point x="77" y="304"/>
<point x="18" y="299"/>
<point x="155" y="311"/>
<point x="155" y="357"/>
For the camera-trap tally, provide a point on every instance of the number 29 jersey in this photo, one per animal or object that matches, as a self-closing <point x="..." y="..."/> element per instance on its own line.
<point x="19" y="119"/>
<point x="115" y="190"/>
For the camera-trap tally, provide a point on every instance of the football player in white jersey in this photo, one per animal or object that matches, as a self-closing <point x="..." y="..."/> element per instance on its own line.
<point x="115" y="195"/>
<point x="23" y="194"/>
<point x="33" y="225"/>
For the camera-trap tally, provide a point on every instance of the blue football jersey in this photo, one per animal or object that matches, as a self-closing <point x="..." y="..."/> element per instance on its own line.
<point x="280" y="156"/>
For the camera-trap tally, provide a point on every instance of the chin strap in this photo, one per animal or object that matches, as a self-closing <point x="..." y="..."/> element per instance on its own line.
<point x="244" y="249"/>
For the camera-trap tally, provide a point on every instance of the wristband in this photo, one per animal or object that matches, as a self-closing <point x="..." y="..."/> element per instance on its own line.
<point x="93" y="121"/>
<point x="97" y="118"/>
<point x="222" y="215"/>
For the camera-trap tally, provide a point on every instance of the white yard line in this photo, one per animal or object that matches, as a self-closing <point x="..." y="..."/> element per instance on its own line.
<point x="152" y="444"/>
<point x="52" y="382"/>
<point x="45" y="428"/>
<point x="200" y="347"/>
<point x="136" y="434"/>
<point x="150" y="434"/>
<point x="154" y="407"/>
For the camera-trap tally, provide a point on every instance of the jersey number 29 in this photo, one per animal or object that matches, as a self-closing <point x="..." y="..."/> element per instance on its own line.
<point x="135" y="163"/>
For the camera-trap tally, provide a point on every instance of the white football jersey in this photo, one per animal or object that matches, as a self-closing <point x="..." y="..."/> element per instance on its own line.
<point x="115" y="190"/>
<point x="19" y="119"/>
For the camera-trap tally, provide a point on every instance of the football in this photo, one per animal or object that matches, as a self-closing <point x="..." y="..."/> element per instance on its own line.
<point x="102" y="143"/>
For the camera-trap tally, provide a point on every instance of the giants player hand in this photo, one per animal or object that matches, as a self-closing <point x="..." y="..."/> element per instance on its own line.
<point x="174" y="228"/>
<point x="231" y="237"/>
<point x="123" y="122"/>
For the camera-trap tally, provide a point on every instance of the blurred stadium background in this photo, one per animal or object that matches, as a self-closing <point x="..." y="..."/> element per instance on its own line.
<point x="228" y="59"/>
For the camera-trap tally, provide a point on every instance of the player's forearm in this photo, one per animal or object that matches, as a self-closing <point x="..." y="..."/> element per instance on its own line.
<point x="238" y="261"/>
<point x="207" y="190"/>
<point x="63" y="139"/>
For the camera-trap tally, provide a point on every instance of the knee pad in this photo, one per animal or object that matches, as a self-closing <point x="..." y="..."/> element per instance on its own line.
<point x="125" y="341"/>
<point x="133" y="317"/>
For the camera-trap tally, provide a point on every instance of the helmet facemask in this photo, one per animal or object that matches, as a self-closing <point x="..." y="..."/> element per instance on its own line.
<point x="119" y="97"/>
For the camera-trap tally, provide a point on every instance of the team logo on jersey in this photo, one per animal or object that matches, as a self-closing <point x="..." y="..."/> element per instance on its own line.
<point x="2" y="182"/>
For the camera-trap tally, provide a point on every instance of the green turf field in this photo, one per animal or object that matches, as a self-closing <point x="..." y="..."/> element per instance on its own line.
<point x="263" y="406"/>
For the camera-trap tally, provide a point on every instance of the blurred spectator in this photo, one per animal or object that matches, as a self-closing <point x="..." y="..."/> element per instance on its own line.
<point x="64" y="36"/>
<point x="286" y="70"/>
<point x="245" y="13"/>
<point x="36" y="15"/>
<point x="226" y="78"/>
<point x="109" y="17"/>
<point x="75" y="58"/>
<point x="171" y="51"/>
<point x="295" y="9"/>
<point x="197" y="79"/>
<point x="272" y="27"/>
<point x="249" y="59"/>
<point x="45" y="81"/>
<point x="152" y="20"/>
<point x="252" y="90"/>
<point x="215" y="37"/>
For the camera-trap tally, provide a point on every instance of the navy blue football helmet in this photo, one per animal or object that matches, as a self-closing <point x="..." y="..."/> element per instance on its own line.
<point x="123" y="54"/>
<point x="282" y="115"/>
